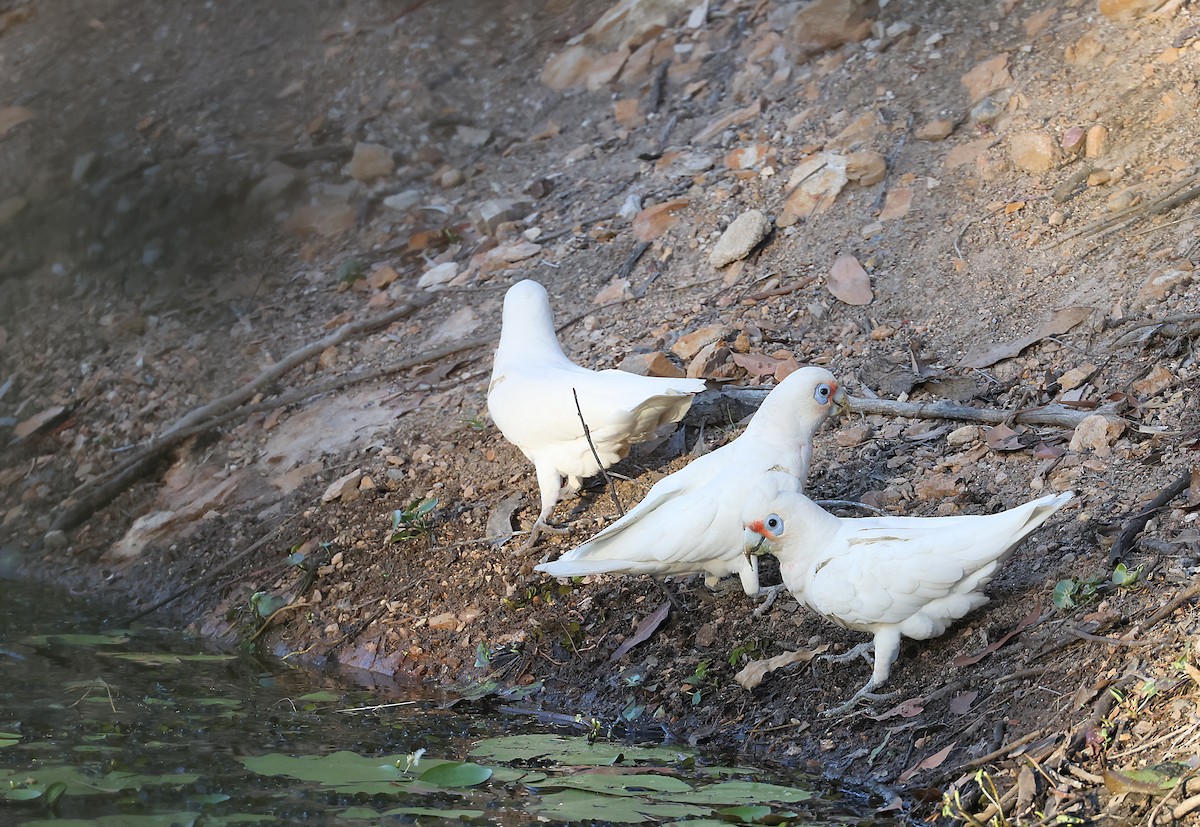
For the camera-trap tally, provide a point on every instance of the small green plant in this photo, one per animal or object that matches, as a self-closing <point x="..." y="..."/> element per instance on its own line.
<point x="751" y="650"/>
<point x="1070" y="593"/>
<point x="412" y="521"/>
<point x="474" y="423"/>
<point x="698" y="681"/>
<point x="350" y="271"/>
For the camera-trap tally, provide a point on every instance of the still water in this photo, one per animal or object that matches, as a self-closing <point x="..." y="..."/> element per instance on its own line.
<point x="145" y="727"/>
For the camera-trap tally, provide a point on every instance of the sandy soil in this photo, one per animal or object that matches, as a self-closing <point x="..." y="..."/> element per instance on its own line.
<point x="189" y="194"/>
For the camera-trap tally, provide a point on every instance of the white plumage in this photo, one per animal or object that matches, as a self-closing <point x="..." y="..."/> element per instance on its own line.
<point x="890" y="576"/>
<point x="531" y="401"/>
<point x="690" y="521"/>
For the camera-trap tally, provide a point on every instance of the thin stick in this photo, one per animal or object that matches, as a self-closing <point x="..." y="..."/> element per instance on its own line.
<point x="612" y="486"/>
<point x="209" y="575"/>
<point x="1134" y="527"/>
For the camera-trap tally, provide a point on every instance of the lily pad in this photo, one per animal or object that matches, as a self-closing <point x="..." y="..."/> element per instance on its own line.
<point x="322" y="696"/>
<point x="80" y="783"/>
<point x="111" y="639"/>
<point x="580" y="805"/>
<point x="456" y="774"/>
<point x="575" y="750"/>
<point x="741" y="792"/>
<point x="7" y="739"/>
<point x="749" y="813"/>
<point x="167" y="659"/>
<point x="641" y="784"/>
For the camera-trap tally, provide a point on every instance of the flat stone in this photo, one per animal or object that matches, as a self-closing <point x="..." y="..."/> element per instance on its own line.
<point x="964" y="435"/>
<point x="854" y="435"/>
<point x="692" y="343"/>
<point x="1096" y="434"/>
<point x="1156" y="381"/>
<point x="343" y="487"/>
<point x="371" y="161"/>
<point x="827" y="24"/>
<point x="490" y="214"/>
<point x="1033" y="151"/>
<point x="742" y="236"/>
<point x="1127" y="9"/>
<point x="438" y="276"/>
<point x="712" y="362"/>
<point x="1096" y="142"/>
<point x="938" y="130"/>
<point x="987" y="77"/>
<point x="655" y="363"/>
<point x="1076" y="376"/>
<point x="866" y="168"/>
<point x="1161" y="285"/>
<point x="403" y="201"/>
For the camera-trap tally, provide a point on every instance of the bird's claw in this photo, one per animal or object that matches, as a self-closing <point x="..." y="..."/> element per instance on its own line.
<point x="861" y="695"/>
<point x="850" y="654"/>
<point x="772" y="592"/>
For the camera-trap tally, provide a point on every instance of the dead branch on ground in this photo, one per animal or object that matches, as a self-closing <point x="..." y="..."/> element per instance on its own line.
<point x="1135" y="525"/>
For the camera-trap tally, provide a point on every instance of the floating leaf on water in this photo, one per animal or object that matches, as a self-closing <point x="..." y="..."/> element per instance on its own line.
<point x="321" y="696"/>
<point x="578" y="805"/>
<point x="80" y="783"/>
<point x="7" y="739"/>
<point x="622" y="785"/>
<point x="456" y="774"/>
<point x="112" y="639"/>
<point x="211" y="798"/>
<point x="156" y="820"/>
<point x="573" y="750"/>
<point x="748" y="813"/>
<point x="741" y="793"/>
<point x="165" y="658"/>
<point x="23" y="793"/>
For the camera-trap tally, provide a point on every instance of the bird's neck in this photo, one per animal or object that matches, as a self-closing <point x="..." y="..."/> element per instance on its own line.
<point x="530" y="340"/>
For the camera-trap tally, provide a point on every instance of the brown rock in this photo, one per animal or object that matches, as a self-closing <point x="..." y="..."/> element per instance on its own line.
<point x="1033" y="151"/>
<point x="1076" y="376"/>
<point x="712" y="362"/>
<point x="567" y="68"/>
<point x="1127" y="9"/>
<point x="1099" y="178"/>
<point x="604" y="68"/>
<point x="651" y="364"/>
<point x="1096" y="434"/>
<point x="961" y="436"/>
<point x="866" y="167"/>
<point x="987" y="77"/>
<point x="627" y="113"/>
<point x="967" y="153"/>
<point x="343" y="488"/>
<point x="854" y="435"/>
<point x="938" y="487"/>
<point x="1095" y="142"/>
<point x="371" y="161"/>
<point x="937" y="130"/>
<point x="1161" y="285"/>
<point x="1073" y="139"/>
<point x="692" y="343"/>
<point x="827" y="24"/>
<point x="1084" y="50"/>
<point x="446" y="620"/>
<point x="1156" y="381"/>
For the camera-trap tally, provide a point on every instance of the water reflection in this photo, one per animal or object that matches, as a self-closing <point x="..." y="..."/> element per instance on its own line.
<point x="145" y="726"/>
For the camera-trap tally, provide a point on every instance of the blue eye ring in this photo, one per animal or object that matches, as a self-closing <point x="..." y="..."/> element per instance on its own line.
<point x="774" y="524"/>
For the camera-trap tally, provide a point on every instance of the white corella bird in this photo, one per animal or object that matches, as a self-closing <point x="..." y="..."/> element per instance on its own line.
<point x="690" y="522"/>
<point x="532" y="399"/>
<point x="889" y="576"/>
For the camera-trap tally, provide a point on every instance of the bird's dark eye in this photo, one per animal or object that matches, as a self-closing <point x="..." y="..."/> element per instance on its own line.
<point x="774" y="524"/>
<point x="823" y="392"/>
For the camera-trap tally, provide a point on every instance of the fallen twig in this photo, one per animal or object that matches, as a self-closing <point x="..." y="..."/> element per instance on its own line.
<point x="209" y="575"/>
<point x="587" y="433"/>
<point x="1169" y="200"/>
<point x="89" y="497"/>
<point x="1165" y="320"/>
<point x="1135" y="525"/>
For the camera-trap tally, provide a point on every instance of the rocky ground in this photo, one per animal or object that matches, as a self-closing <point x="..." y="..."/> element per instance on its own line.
<point x="307" y="217"/>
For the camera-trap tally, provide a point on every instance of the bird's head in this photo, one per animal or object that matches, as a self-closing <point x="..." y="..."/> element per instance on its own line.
<point x="759" y="534"/>
<point x="808" y="395"/>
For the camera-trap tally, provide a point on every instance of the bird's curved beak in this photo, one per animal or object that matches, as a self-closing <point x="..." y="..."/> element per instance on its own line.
<point x="753" y="537"/>
<point x="842" y="401"/>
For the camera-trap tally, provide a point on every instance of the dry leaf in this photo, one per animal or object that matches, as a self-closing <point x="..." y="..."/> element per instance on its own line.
<point x="1004" y="438"/>
<point x="756" y="364"/>
<point x="906" y="709"/>
<point x="931" y="763"/>
<point x="752" y="673"/>
<point x="13" y="115"/>
<point x="849" y="282"/>
<point x="653" y="221"/>
<point x="646" y="628"/>
<point x="499" y="528"/>
<point x="897" y="203"/>
<point x="962" y="702"/>
<point x="38" y="421"/>
<point x="1062" y="321"/>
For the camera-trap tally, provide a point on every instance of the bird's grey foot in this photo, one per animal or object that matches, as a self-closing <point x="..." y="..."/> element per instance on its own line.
<point x="771" y="593"/>
<point x="858" y="651"/>
<point x="851" y="504"/>
<point x="864" y="694"/>
<point x="538" y="530"/>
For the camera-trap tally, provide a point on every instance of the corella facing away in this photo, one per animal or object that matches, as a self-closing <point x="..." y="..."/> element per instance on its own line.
<point x="532" y="400"/>
<point x="690" y="522"/>
<point x="890" y="576"/>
